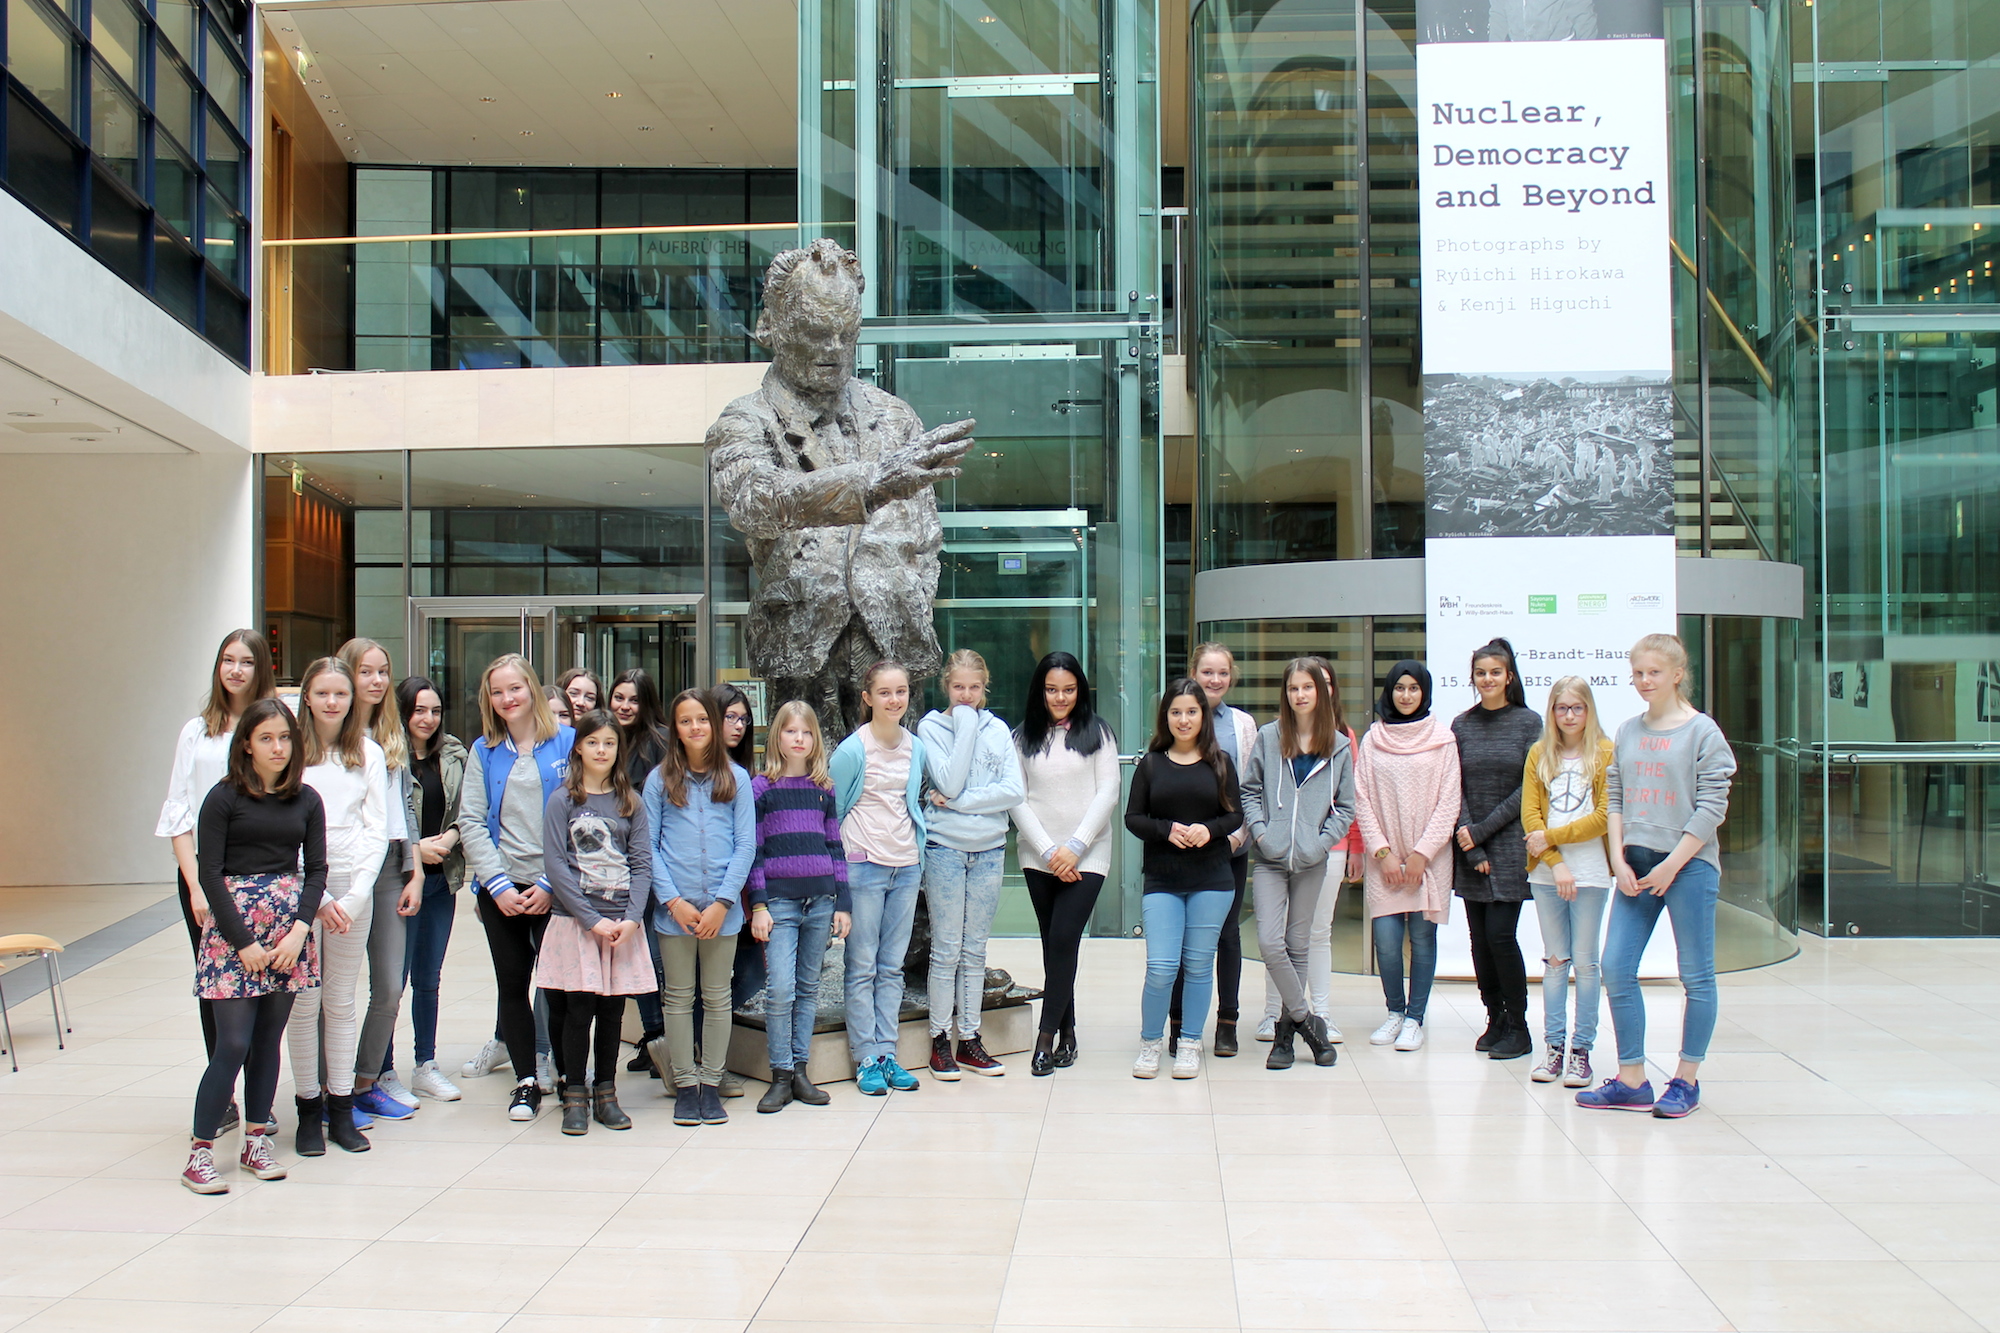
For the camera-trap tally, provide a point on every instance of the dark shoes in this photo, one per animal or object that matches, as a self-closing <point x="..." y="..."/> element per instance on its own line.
<point x="711" y="1106"/>
<point x="575" y="1110"/>
<point x="1225" y="1038"/>
<point x="1484" y="1042"/>
<point x="804" y="1090"/>
<point x="687" y="1105"/>
<point x="1313" y="1032"/>
<point x="1043" y="1062"/>
<point x="641" y="1062"/>
<point x="1066" y="1048"/>
<point x="311" y="1140"/>
<point x="779" y="1095"/>
<point x="609" y="1113"/>
<point x="340" y="1124"/>
<point x="944" y="1066"/>
<point x="1282" y="1053"/>
<point x="1512" y="1041"/>
<point x="972" y="1055"/>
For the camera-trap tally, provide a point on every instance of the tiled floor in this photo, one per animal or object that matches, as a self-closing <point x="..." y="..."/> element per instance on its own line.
<point x="1844" y="1174"/>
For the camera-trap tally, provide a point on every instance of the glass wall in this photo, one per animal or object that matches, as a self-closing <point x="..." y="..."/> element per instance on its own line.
<point x="123" y="123"/>
<point x="1898" y="109"/>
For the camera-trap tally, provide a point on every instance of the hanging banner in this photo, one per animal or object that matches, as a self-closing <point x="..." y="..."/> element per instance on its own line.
<point x="1547" y="350"/>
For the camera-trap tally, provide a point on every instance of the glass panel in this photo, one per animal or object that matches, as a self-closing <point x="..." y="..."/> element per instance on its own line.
<point x="41" y="58"/>
<point x="224" y="80"/>
<point x="173" y="101"/>
<point x="114" y="130"/>
<point x="41" y="164"/>
<point x="1396" y="423"/>
<point x="222" y="235"/>
<point x="173" y="187"/>
<point x="117" y="230"/>
<point x="225" y="161"/>
<point x="332" y="534"/>
<point x="176" y="19"/>
<point x="176" y="275"/>
<point x="119" y="38"/>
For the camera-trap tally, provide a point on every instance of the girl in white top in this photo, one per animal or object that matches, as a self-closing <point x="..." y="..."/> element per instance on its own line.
<point x="346" y="768"/>
<point x="242" y="674"/>
<point x="398" y="892"/>
<point x="1214" y="669"/>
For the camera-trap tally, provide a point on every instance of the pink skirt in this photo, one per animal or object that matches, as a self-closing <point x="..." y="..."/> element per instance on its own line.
<point x="573" y="959"/>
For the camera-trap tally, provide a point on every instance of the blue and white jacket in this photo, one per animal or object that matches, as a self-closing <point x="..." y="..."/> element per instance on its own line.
<point x="971" y="761"/>
<point x="483" y="793"/>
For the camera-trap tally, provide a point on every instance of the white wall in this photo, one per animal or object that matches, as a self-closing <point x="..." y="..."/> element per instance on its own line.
<point x="118" y="577"/>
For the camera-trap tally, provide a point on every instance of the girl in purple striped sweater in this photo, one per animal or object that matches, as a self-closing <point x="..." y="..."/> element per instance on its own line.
<point x="797" y="893"/>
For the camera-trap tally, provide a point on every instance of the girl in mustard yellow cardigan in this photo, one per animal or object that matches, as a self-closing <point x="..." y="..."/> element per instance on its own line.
<point x="1563" y="813"/>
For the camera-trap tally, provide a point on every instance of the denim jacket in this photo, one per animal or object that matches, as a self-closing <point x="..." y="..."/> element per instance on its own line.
<point x="701" y="851"/>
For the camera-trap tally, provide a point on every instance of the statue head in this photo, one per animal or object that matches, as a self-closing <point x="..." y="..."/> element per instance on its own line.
<point x="812" y="315"/>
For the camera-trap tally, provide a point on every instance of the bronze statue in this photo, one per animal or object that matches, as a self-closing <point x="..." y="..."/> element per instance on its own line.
<point x="831" y="480"/>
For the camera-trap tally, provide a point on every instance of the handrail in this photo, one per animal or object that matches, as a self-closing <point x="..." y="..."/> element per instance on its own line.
<point x="297" y="241"/>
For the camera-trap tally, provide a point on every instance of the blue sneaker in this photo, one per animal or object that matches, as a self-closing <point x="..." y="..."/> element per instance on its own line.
<point x="872" y="1079"/>
<point x="1613" y="1095"/>
<point x="1681" y="1098"/>
<point x="379" y="1105"/>
<point x="901" y="1079"/>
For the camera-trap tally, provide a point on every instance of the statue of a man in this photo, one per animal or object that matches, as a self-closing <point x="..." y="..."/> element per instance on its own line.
<point x="831" y="480"/>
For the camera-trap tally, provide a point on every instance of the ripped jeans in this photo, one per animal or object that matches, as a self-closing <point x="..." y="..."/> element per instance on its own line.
<point x="1572" y="934"/>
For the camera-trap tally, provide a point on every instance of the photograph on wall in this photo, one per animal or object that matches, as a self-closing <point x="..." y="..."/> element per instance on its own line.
<point x="1537" y="20"/>
<point x="1548" y="456"/>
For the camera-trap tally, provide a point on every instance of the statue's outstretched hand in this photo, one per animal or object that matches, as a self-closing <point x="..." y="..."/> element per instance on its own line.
<point x="925" y="461"/>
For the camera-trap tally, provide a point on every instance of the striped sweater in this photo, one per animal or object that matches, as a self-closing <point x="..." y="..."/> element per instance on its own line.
<point x="798" y="843"/>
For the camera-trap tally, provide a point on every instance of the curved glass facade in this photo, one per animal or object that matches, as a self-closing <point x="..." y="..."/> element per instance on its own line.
<point x="1306" y="349"/>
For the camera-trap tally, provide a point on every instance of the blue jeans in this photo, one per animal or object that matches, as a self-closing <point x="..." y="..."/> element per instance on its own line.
<point x="1422" y="932"/>
<point x="795" y="953"/>
<point x="885" y="907"/>
<point x="963" y="889"/>
<point x="1571" y="934"/>
<point x="1690" y="903"/>
<point x="423" y="964"/>
<point x="1182" y="930"/>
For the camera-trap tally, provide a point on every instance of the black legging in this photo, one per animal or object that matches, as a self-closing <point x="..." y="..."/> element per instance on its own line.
<point x="1062" y="910"/>
<point x="1496" y="953"/>
<point x="571" y="1014"/>
<point x="194" y="942"/>
<point x="1228" y="954"/>
<point x="249" y="1036"/>
<point x="514" y="941"/>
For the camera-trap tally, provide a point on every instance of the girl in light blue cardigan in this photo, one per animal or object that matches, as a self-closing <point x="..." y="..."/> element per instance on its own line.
<point x="878" y="782"/>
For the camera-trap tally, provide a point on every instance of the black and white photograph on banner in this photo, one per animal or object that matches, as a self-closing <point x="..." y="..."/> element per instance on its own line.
<point x="1538" y="456"/>
<point x="1537" y="20"/>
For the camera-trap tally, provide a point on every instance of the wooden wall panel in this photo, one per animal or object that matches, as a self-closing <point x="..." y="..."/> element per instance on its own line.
<point x="315" y="200"/>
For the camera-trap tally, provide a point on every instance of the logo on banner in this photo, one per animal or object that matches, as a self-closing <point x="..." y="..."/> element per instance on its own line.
<point x="1646" y="601"/>
<point x="1542" y="604"/>
<point x="1592" y="603"/>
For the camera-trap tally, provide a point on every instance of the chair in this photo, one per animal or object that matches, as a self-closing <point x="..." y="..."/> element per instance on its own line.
<point x="15" y="949"/>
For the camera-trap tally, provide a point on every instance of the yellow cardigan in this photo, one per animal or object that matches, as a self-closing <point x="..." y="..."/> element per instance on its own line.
<point x="1535" y="805"/>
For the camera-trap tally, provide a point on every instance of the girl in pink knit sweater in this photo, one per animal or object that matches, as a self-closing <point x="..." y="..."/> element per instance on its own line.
<point x="1406" y="806"/>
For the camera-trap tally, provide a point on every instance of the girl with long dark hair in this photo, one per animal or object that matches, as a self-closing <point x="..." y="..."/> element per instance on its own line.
<point x="642" y="742"/>
<point x="1213" y="666"/>
<point x="437" y="772"/>
<point x="1069" y="767"/>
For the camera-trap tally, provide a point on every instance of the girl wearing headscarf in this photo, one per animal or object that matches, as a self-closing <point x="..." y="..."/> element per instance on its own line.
<point x="1406" y="788"/>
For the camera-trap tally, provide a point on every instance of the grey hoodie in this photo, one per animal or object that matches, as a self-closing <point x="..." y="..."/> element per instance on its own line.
<point x="1292" y="825"/>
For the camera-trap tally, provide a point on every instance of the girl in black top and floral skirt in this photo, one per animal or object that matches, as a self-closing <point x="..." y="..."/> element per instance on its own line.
<point x="262" y="866"/>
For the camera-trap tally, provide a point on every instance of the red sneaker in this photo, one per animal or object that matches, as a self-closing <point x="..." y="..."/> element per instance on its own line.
<point x="943" y="1067"/>
<point x="973" y="1056"/>
<point x="257" y="1157"/>
<point x="200" y="1174"/>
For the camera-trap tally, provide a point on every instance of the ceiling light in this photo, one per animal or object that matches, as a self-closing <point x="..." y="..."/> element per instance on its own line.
<point x="614" y="94"/>
<point x="24" y="414"/>
<point x="488" y="99"/>
<point x="528" y="134"/>
<point x="988" y="18"/>
<point x="645" y="127"/>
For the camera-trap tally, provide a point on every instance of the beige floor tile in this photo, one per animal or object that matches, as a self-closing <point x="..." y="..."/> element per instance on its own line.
<point x="263" y="1270"/>
<point x="695" y="1284"/>
<point x="956" y="1131"/>
<point x="60" y="1263"/>
<point x="728" y="1222"/>
<point x="319" y="1318"/>
<point x="306" y="1209"/>
<point x="17" y="1310"/>
<point x="42" y="1152"/>
<point x="433" y="1165"/>
<point x="1582" y="1231"/>
<point x="1118" y="1133"/>
<point x="1740" y="1179"/>
<point x="1123" y="1228"/>
<point x="705" y="1170"/>
<point x="507" y="1217"/>
<point x="567" y="1323"/>
<point x="1382" y="1231"/>
<point x="1973" y="1288"/>
<point x="1725" y="1230"/>
<point x="1181" y="1176"/>
<point x="1135" y="1096"/>
<point x="78" y="1313"/>
<point x="1550" y="1294"/>
<point x="21" y="1191"/>
<point x="562" y="1166"/>
<point x="1872" y="1179"/>
<point x="799" y="1126"/>
<point x="843" y="1326"/>
<point x="1278" y="1095"/>
<point x="1155" y="1292"/>
<point x="1493" y="1179"/>
<point x="1261" y="1178"/>
<point x="1459" y="1135"/>
<point x="937" y="1175"/>
<point x="864" y="1224"/>
<point x="1623" y="1134"/>
<point x="21" y="1109"/>
<point x="1320" y="1135"/>
<point x="1947" y="1232"/>
<point x="1792" y="1296"/>
<point x="1413" y="1295"/>
<point x="891" y="1288"/>
<point x="400" y="1275"/>
<point x="1831" y="1135"/>
<point x="1956" y="1133"/>
<point x="101" y="1204"/>
<point x="1017" y="1091"/>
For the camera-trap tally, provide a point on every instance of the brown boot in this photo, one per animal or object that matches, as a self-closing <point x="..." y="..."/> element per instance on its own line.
<point x="609" y="1113"/>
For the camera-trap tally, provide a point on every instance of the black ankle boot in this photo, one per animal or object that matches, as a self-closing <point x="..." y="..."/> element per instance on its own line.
<point x="1313" y="1033"/>
<point x="609" y="1113"/>
<point x="1043" y="1062"/>
<point x="1066" y="1047"/>
<point x="779" y="1095"/>
<point x="803" y="1089"/>
<point x="340" y="1123"/>
<point x="576" y="1110"/>
<point x="1282" y="1053"/>
<point x="311" y="1140"/>
<point x="1494" y="1021"/>
<point x="642" y="1063"/>
<point x="1512" y="1042"/>
<point x="1225" y="1038"/>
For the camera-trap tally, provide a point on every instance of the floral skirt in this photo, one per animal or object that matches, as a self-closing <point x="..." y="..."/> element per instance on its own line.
<point x="573" y="959"/>
<point x="268" y="905"/>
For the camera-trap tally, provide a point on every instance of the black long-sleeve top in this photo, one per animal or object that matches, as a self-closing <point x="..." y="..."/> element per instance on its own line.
<point x="1493" y="745"/>
<point x="1165" y="793"/>
<point x="259" y="835"/>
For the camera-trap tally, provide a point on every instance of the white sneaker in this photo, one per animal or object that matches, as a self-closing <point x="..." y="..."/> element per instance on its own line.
<point x="431" y="1082"/>
<point x="1332" y="1031"/>
<point x="1148" y="1063"/>
<point x="393" y="1088"/>
<point x="1412" y="1036"/>
<point x="1187" y="1059"/>
<point x="492" y="1056"/>
<point x="545" y="1073"/>
<point x="1392" y="1027"/>
<point x="1267" y="1028"/>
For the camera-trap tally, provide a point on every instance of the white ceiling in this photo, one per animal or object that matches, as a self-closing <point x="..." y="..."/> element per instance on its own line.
<point x="39" y="416"/>
<point x="715" y="80"/>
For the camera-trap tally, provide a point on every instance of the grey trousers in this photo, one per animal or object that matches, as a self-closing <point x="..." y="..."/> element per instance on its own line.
<point x="1284" y="901"/>
<point x="679" y="955"/>
<point x="388" y="935"/>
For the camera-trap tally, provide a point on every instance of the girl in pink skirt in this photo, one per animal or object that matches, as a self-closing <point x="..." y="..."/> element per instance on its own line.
<point x="599" y="860"/>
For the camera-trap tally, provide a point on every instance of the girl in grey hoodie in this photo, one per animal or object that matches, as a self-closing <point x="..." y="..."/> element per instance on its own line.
<point x="1298" y="801"/>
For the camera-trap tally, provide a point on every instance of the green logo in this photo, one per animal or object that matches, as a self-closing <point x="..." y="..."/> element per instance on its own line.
<point x="1541" y="604"/>
<point x="1592" y="603"/>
